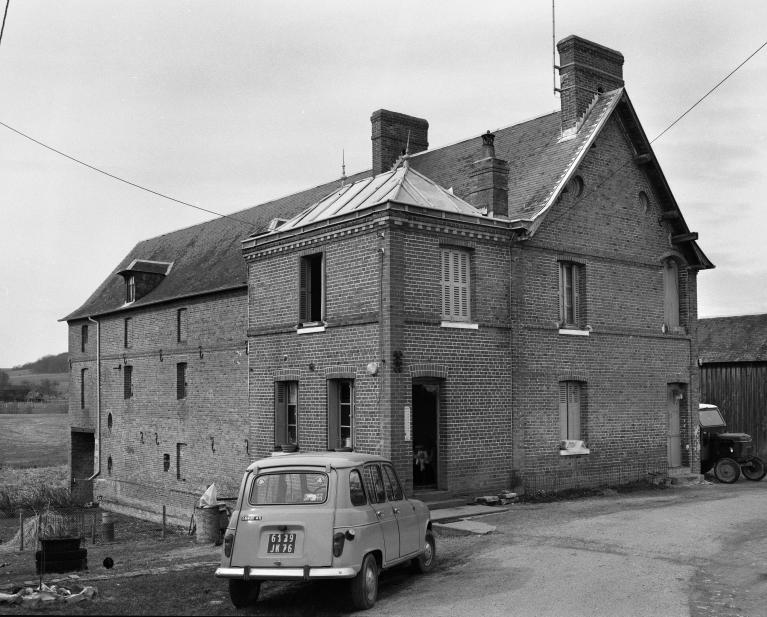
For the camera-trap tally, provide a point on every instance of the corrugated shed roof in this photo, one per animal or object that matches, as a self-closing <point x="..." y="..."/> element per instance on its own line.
<point x="401" y="185"/>
<point x="733" y="339"/>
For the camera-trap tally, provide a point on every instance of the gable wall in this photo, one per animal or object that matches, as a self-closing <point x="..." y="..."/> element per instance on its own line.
<point x="215" y="405"/>
<point x="626" y="361"/>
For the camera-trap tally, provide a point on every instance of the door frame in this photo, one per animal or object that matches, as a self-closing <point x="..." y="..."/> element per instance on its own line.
<point x="429" y="381"/>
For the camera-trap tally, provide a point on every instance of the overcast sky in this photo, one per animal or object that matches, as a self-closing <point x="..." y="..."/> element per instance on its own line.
<point x="229" y="104"/>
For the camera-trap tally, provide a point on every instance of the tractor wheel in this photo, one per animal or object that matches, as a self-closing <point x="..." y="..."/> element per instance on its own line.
<point x="754" y="469"/>
<point x="727" y="471"/>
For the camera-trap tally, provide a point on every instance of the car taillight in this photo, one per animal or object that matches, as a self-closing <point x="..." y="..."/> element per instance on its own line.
<point x="228" y="543"/>
<point x="338" y="543"/>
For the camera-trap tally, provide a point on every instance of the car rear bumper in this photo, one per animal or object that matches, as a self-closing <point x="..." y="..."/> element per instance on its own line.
<point x="285" y="574"/>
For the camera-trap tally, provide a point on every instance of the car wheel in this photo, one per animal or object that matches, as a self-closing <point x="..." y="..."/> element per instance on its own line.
<point x="754" y="469"/>
<point x="425" y="561"/>
<point x="243" y="593"/>
<point x="365" y="584"/>
<point x="727" y="471"/>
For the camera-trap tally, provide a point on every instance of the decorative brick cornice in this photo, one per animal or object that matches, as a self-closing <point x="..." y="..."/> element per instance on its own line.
<point x="573" y="376"/>
<point x="340" y="371"/>
<point x="428" y="369"/>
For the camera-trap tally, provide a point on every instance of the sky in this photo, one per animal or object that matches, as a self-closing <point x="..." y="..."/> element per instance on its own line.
<point x="229" y="104"/>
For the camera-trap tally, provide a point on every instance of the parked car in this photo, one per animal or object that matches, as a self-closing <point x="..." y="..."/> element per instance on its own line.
<point x="728" y="454"/>
<point x="324" y="515"/>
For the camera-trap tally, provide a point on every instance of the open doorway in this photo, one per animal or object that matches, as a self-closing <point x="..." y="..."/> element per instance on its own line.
<point x="425" y="434"/>
<point x="82" y="460"/>
<point x="675" y="394"/>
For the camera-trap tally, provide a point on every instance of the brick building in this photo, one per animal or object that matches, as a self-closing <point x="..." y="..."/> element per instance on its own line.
<point x="516" y="309"/>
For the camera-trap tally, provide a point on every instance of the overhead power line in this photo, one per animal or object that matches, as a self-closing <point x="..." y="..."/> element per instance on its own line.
<point x="123" y="180"/>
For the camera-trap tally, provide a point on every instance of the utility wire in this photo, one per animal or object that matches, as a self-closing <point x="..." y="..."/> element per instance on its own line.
<point x="595" y="190"/>
<point x="5" y="14"/>
<point x="123" y="180"/>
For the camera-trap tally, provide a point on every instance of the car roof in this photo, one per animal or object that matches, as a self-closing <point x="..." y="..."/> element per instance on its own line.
<point x="316" y="459"/>
<point x="707" y="406"/>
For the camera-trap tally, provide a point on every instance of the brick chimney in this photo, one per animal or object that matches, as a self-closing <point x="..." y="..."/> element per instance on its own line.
<point x="585" y="69"/>
<point x="489" y="180"/>
<point x="390" y="137"/>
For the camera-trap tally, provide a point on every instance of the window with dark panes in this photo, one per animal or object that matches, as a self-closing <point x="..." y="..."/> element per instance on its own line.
<point x="286" y="412"/>
<point x="181" y="380"/>
<point x="181" y="325"/>
<point x="356" y="490"/>
<point x="310" y="292"/>
<point x="83" y="379"/>
<point x="570" y="289"/>
<point x="340" y="413"/>
<point x="127" y="381"/>
<point x="83" y="338"/>
<point x="127" y="332"/>
<point x="130" y="289"/>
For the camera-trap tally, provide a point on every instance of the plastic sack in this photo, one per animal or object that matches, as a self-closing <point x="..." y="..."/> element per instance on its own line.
<point x="209" y="497"/>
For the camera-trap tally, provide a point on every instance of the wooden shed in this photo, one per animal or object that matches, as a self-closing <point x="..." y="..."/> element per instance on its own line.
<point x="733" y="372"/>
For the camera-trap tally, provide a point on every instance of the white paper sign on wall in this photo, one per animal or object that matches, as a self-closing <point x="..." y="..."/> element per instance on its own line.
<point x="408" y="423"/>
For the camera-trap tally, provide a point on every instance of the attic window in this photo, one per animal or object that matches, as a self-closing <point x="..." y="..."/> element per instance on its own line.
<point x="142" y="276"/>
<point x="574" y="187"/>
<point x="275" y="223"/>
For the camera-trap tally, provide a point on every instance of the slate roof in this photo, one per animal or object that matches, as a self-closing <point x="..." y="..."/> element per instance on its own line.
<point x="733" y="339"/>
<point x="208" y="257"/>
<point x="402" y="185"/>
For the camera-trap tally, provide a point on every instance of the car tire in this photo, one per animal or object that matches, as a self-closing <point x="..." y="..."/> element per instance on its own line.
<point x="754" y="469"/>
<point x="243" y="593"/>
<point x="727" y="471"/>
<point x="425" y="561"/>
<point x="365" y="584"/>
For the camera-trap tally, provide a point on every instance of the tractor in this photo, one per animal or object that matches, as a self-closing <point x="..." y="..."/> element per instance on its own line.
<point x="728" y="454"/>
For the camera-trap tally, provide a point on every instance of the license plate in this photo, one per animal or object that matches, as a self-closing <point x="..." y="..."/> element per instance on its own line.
<point x="281" y="543"/>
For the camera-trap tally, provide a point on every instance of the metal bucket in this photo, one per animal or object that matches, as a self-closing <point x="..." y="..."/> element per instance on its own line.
<point x="108" y="526"/>
<point x="207" y="524"/>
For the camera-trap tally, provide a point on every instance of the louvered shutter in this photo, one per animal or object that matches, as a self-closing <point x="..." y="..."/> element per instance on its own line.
<point x="671" y="293"/>
<point x="280" y="413"/>
<point x="456" y="285"/>
<point x="563" y="410"/>
<point x="574" y="410"/>
<point x="303" y="291"/>
<point x="463" y="285"/>
<point x="333" y="413"/>
<point x="446" y="287"/>
<point x="576" y="275"/>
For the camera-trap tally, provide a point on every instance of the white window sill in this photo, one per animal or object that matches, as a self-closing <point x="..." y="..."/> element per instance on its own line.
<point x="309" y="329"/>
<point x="573" y="332"/>
<point x="464" y="325"/>
<point x="582" y="451"/>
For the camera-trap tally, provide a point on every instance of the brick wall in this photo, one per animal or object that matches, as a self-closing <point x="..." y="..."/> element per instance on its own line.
<point x="211" y="420"/>
<point x="627" y="361"/>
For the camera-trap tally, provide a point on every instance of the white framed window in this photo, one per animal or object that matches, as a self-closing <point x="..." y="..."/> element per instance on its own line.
<point x="286" y="413"/>
<point x="130" y="294"/>
<point x="570" y="404"/>
<point x="310" y="290"/>
<point x="456" y="284"/>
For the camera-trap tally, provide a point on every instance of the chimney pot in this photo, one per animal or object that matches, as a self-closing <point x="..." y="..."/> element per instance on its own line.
<point x="489" y="179"/>
<point x="488" y="145"/>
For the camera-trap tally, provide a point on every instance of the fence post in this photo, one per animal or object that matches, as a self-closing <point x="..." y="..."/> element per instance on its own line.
<point x="21" y="529"/>
<point x="163" y="522"/>
<point x="93" y="526"/>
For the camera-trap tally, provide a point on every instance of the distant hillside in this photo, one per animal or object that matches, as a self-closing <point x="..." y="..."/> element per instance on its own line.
<point x="47" y="364"/>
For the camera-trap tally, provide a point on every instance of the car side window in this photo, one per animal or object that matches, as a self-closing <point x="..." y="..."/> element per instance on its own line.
<point x="356" y="490"/>
<point x="374" y="484"/>
<point x="393" y="484"/>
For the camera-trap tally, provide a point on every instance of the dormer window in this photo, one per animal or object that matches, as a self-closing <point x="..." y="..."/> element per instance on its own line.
<point x="142" y="276"/>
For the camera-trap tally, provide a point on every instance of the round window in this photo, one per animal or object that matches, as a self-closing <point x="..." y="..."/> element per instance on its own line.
<point x="574" y="186"/>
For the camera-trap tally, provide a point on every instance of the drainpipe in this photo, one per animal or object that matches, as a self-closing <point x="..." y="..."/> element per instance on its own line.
<point x="97" y="445"/>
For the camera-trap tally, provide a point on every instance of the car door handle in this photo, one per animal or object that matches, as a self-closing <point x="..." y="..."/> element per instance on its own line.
<point x="379" y="514"/>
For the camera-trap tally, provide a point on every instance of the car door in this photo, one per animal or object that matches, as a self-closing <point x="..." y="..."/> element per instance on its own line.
<point x="404" y="510"/>
<point x="387" y="519"/>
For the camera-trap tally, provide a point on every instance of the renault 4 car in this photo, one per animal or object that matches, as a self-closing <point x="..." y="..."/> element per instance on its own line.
<point x="324" y="515"/>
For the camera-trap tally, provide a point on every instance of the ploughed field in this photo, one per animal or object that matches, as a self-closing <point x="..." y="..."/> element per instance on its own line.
<point x="33" y="440"/>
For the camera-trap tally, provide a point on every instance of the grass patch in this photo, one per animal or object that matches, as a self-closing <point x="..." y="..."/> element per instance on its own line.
<point x="580" y="493"/>
<point x="33" y="489"/>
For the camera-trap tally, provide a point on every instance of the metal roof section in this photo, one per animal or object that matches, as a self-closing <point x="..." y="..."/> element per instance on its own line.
<point x="402" y="185"/>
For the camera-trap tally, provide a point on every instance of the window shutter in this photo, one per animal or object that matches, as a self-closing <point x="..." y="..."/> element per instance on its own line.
<point x="463" y="285"/>
<point x="445" y="283"/>
<point x="671" y="293"/>
<point x="333" y="413"/>
<point x="576" y="274"/>
<point x="303" y="291"/>
<point x="574" y="410"/>
<point x="563" y="410"/>
<point x="280" y="413"/>
<point x="562" y="313"/>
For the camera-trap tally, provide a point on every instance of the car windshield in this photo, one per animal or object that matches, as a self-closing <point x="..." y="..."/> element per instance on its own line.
<point x="289" y="487"/>
<point x="709" y="417"/>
